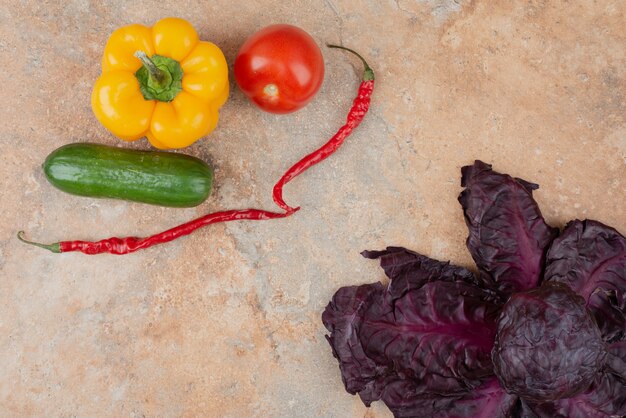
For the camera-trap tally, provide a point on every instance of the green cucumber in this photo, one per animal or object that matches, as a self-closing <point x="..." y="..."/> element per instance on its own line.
<point x="157" y="178"/>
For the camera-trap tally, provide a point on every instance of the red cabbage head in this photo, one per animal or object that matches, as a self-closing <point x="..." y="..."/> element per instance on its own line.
<point x="547" y="345"/>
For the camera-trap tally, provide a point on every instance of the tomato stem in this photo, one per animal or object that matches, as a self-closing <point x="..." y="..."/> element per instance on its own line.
<point x="368" y="73"/>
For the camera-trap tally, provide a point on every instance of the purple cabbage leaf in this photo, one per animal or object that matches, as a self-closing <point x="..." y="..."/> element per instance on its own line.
<point x="605" y="398"/>
<point x="420" y="334"/>
<point x="508" y="237"/>
<point x="591" y="259"/>
<point x="616" y="361"/>
<point x="489" y="400"/>
<point x="342" y="318"/>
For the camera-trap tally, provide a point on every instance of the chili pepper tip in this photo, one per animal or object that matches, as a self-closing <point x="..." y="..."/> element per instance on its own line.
<point x="55" y="248"/>
<point x="368" y="73"/>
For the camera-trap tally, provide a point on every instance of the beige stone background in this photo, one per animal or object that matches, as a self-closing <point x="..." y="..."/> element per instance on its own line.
<point x="226" y="322"/>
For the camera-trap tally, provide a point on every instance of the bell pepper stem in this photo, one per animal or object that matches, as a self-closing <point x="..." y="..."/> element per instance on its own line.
<point x="55" y="248"/>
<point x="155" y="72"/>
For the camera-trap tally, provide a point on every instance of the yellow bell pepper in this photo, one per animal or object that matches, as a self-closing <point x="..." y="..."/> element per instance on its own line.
<point x="162" y="83"/>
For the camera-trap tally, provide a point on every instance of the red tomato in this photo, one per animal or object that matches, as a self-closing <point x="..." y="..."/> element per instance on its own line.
<point x="280" y="68"/>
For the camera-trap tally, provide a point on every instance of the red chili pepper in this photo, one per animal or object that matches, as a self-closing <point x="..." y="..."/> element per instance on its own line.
<point x="127" y="245"/>
<point x="358" y="110"/>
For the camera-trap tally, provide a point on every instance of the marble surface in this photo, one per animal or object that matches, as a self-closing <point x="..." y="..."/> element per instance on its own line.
<point x="226" y="322"/>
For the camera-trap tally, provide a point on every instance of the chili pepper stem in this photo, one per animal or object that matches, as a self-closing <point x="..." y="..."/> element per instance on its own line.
<point x="155" y="72"/>
<point x="55" y="248"/>
<point x="368" y="73"/>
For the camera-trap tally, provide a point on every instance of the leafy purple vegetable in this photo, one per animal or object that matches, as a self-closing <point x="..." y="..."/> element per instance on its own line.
<point x="616" y="361"/>
<point x="375" y="333"/>
<point x="508" y="237"/>
<point x="548" y="346"/>
<point x="440" y="341"/>
<point x="342" y="318"/>
<point x="486" y="401"/>
<point x="409" y="270"/>
<point x="591" y="258"/>
<point x="606" y="397"/>
<point x="446" y="320"/>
